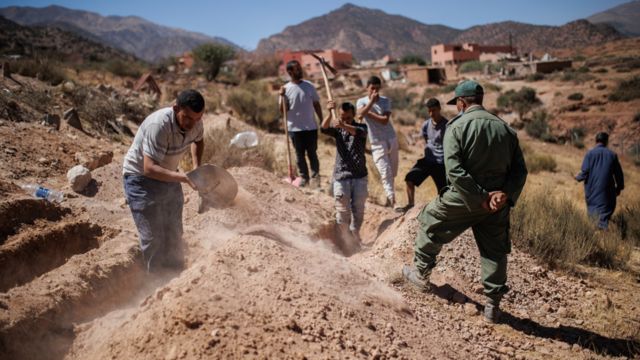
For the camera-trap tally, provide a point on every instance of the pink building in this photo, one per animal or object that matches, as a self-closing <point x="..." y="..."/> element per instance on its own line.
<point x="311" y="66"/>
<point x="451" y="54"/>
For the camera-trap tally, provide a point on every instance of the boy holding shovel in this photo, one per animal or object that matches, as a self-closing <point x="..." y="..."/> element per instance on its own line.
<point x="350" y="173"/>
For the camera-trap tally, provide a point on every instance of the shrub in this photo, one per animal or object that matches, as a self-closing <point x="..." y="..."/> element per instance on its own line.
<point x="601" y="86"/>
<point x="44" y="70"/>
<point x="577" y="137"/>
<point x="433" y="91"/>
<point x="212" y="56"/>
<point x="627" y="90"/>
<point x="477" y="66"/>
<point x="576" y="96"/>
<point x="122" y="68"/>
<point x="576" y="75"/>
<point x="636" y="117"/>
<point x="400" y="98"/>
<point x="413" y="59"/>
<point x="601" y="71"/>
<point x="534" y="77"/>
<point x="540" y="162"/>
<point x="522" y="101"/>
<point x="253" y="102"/>
<point x="256" y="67"/>
<point x="553" y="230"/>
<point x="538" y="126"/>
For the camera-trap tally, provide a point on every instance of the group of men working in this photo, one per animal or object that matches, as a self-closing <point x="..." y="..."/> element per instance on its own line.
<point x="474" y="159"/>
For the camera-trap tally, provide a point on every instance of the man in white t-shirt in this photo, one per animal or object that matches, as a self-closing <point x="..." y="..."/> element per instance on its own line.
<point x="152" y="180"/>
<point x="376" y="112"/>
<point x="302" y="101"/>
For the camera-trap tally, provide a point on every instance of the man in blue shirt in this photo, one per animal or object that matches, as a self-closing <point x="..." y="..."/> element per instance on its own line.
<point x="432" y="163"/>
<point x="603" y="180"/>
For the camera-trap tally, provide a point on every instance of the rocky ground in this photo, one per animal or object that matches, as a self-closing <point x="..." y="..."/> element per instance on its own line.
<point x="265" y="278"/>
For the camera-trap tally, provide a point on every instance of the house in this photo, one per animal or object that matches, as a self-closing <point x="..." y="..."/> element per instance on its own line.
<point x="423" y="74"/>
<point x="536" y="67"/>
<point x="338" y="59"/>
<point x="454" y="54"/>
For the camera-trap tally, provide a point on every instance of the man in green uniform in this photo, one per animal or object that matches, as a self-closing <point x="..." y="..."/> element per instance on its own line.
<point x="485" y="173"/>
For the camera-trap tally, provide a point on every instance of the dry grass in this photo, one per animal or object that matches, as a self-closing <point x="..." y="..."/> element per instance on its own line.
<point x="554" y="230"/>
<point x="256" y="105"/>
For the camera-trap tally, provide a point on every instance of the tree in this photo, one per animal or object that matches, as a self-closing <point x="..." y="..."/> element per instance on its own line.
<point x="521" y="101"/>
<point x="212" y="56"/>
<point x="413" y="59"/>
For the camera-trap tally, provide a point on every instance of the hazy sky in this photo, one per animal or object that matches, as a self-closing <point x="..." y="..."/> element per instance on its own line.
<point x="245" y="22"/>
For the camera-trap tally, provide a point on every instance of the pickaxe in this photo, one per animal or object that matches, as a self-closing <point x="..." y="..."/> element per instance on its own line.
<point x="324" y="66"/>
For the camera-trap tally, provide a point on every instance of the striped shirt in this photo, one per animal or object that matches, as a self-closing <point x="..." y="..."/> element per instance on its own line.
<point x="160" y="138"/>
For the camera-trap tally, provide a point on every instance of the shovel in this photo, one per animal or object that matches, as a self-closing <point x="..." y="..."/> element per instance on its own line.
<point x="215" y="185"/>
<point x="325" y="65"/>
<point x="291" y="179"/>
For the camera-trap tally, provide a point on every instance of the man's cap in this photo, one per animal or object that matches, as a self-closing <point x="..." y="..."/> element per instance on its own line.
<point x="466" y="88"/>
<point x="432" y="103"/>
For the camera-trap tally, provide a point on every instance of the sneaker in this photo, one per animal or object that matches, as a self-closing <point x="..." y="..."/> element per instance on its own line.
<point x="492" y="313"/>
<point x="303" y="182"/>
<point x="403" y="209"/>
<point x="416" y="279"/>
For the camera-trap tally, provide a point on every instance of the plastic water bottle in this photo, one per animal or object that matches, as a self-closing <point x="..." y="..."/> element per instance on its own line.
<point x="43" y="193"/>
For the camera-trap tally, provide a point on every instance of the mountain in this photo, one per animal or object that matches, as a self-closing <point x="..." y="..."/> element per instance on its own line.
<point x="527" y="37"/>
<point x="132" y="34"/>
<point x="625" y="18"/>
<point x="54" y="43"/>
<point x="371" y="34"/>
<point x="366" y="33"/>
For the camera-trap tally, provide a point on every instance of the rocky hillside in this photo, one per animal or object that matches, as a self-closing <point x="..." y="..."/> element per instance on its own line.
<point x="350" y="28"/>
<point x="54" y="43"/>
<point x="132" y="34"/>
<point x="528" y="37"/>
<point x="623" y="17"/>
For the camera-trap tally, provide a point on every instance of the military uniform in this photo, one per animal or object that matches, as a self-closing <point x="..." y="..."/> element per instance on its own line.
<point x="482" y="154"/>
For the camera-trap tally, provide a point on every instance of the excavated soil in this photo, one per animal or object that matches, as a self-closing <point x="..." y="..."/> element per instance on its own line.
<point x="266" y="277"/>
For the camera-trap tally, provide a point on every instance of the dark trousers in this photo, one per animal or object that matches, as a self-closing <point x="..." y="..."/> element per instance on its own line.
<point x="156" y="207"/>
<point x="306" y="142"/>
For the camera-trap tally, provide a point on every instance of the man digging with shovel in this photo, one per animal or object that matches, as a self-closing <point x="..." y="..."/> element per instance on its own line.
<point x="152" y="181"/>
<point x="486" y="173"/>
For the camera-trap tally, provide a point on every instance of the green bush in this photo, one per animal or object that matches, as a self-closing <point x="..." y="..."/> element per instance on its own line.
<point x="627" y="90"/>
<point x="521" y="101"/>
<point x="477" y="66"/>
<point x="253" y="102"/>
<point x="576" y="96"/>
<point x="576" y="75"/>
<point x="538" y="126"/>
<point x="413" y="59"/>
<point x="555" y="231"/>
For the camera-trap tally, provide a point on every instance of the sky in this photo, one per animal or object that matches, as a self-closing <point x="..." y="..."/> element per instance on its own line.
<point x="245" y="22"/>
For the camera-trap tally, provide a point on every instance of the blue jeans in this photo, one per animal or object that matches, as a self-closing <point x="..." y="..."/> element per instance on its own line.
<point x="350" y="196"/>
<point x="156" y="207"/>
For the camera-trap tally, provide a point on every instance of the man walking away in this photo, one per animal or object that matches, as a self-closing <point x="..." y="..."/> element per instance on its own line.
<point x="603" y="180"/>
<point x="376" y="112"/>
<point x="152" y="180"/>
<point x="302" y="100"/>
<point x="486" y="172"/>
<point x="350" y="173"/>
<point x="432" y="164"/>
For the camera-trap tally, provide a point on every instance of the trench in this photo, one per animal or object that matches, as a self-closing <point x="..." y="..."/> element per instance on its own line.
<point x="17" y="213"/>
<point x="32" y="254"/>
